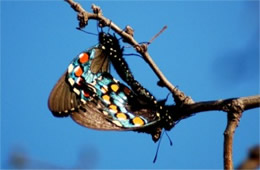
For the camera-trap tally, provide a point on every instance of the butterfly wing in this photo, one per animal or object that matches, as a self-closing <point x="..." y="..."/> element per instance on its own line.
<point x="90" y="115"/>
<point x="100" y="62"/>
<point x="62" y="100"/>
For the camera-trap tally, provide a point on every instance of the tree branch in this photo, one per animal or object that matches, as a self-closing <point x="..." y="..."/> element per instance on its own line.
<point x="227" y="105"/>
<point x="233" y="121"/>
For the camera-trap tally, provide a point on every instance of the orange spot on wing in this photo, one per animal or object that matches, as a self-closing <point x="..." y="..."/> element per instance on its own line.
<point x="78" y="71"/>
<point x="115" y="87"/>
<point x="113" y="107"/>
<point x="106" y="98"/>
<point x="86" y="94"/>
<point x="121" y="116"/>
<point x="83" y="58"/>
<point x="138" y="121"/>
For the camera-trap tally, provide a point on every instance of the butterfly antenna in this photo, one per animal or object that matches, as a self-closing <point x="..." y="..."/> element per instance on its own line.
<point x="86" y="31"/>
<point x="158" y="146"/>
<point x="167" y="95"/>
<point x="170" y="140"/>
<point x="167" y="99"/>
<point x="138" y="55"/>
<point x="149" y="42"/>
<point x="163" y="29"/>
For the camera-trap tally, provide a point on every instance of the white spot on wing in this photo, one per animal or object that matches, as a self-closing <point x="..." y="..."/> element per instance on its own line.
<point x="115" y="80"/>
<point x="83" y="101"/>
<point x="71" y="81"/>
<point x="81" y="55"/>
<point x="117" y="123"/>
<point x="105" y="113"/>
<point x="112" y="111"/>
<point x="70" y="68"/>
<point x="76" y="91"/>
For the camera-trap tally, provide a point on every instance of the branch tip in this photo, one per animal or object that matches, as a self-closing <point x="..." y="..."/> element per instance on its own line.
<point x="129" y="30"/>
<point x="96" y="9"/>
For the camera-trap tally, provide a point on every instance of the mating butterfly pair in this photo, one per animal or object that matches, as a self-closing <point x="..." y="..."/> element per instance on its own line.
<point x="93" y="98"/>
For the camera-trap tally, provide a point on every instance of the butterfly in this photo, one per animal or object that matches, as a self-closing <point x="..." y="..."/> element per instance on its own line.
<point x="93" y="98"/>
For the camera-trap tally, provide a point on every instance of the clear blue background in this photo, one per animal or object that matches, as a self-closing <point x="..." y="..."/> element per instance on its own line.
<point x="210" y="51"/>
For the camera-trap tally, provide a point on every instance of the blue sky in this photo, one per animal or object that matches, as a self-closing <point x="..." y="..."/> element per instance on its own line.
<point x="210" y="51"/>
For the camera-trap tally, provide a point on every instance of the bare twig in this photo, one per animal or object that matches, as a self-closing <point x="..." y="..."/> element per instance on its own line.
<point x="234" y="109"/>
<point x="233" y="121"/>
<point x="188" y="110"/>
